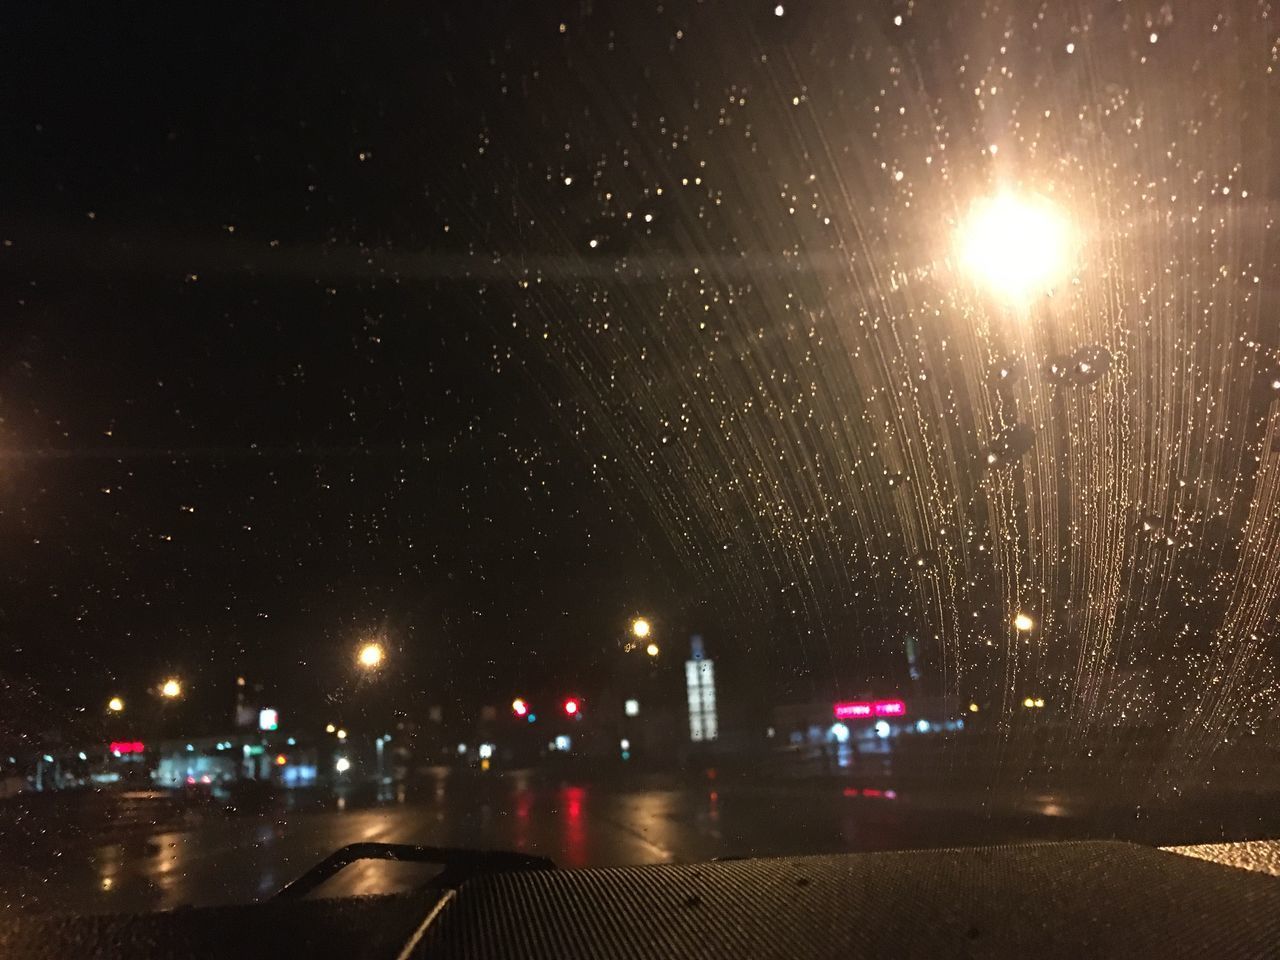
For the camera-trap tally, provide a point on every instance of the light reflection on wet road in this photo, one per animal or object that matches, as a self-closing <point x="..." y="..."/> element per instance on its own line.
<point x="212" y="858"/>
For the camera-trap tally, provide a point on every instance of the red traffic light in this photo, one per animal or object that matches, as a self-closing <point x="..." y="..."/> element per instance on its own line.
<point x="572" y="706"/>
<point x="519" y="706"/>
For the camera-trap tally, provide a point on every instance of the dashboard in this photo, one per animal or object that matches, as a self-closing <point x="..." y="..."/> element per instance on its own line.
<point x="1076" y="900"/>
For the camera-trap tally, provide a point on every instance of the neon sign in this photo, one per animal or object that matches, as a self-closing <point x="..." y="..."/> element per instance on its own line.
<point x="127" y="746"/>
<point x="861" y="709"/>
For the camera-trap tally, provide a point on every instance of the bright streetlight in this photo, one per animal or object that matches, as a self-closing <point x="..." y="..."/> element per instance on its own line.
<point x="370" y="655"/>
<point x="640" y="628"/>
<point x="342" y="765"/>
<point x="1017" y="246"/>
<point x="1023" y="622"/>
<point x="520" y="707"/>
<point x="329" y="728"/>
<point x="171" y="689"/>
<point x="651" y="650"/>
<point x="342" y="734"/>
<point x="115" y="705"/>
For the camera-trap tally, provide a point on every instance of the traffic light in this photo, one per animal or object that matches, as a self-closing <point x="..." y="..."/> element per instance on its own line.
<point x="572" y="707"/>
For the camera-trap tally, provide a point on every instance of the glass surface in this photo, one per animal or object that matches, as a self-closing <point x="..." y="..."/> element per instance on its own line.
<point x="631" y="433"/>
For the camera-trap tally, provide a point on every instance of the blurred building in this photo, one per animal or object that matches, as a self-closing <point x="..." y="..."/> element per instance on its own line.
<point x="863" y="735"/>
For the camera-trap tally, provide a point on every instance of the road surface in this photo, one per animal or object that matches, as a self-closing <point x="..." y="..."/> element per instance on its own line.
<point x="210" y="857"/>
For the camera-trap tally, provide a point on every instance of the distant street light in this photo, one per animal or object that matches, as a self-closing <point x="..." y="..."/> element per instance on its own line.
<point x="171" y="689"/>
<point x="652" y="650"/>
<point x="342" y="734"/>
<point x="640" y="628"/>
<point x="1017" y="246"/>
<point x="1023" y="622"/>
<point x="370" y="656"/>
<point x="342" y="765"/>
<point x="329" y="728"/>
<point x="520" y="707"/>
<point x="115" y="705"/>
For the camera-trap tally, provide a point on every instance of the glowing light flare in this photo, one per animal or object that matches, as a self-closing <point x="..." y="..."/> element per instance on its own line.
<point x="342" y="765"/>
<point x="1016" y="246"/>
<point x="640" y="628"/>
<point x="519" y="707"/>
<point x="1023" y="622"/>
<point x="370" y="656"/>
<point x="651" y="650"/>
<point x="171" y="689"/>
<point x="572" y="707"/>
<point x="115" y="705"/>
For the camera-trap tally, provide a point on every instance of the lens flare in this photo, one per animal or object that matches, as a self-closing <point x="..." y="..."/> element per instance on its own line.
<point x="1018" y="247"/>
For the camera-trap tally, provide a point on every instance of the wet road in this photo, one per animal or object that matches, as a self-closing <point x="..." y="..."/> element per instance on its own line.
<point x="212" y="858"/>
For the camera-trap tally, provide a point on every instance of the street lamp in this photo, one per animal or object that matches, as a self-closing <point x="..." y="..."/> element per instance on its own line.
<point x="115" y="705"/>
<point x="652" y="650"/>
<point x="370" y="656"/>
<point x="1023" y="623"/>
<point x="1017" y="246"/>
<point x="640" y="628"/>
<point x="342" y="734"/>
<point x="171" y="689"/>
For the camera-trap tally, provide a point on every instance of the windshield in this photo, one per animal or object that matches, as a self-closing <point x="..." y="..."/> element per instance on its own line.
<point x="631" y="433"/>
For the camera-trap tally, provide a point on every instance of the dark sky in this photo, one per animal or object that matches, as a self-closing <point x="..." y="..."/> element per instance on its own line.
<point x="262" y="387"/>
<point x="491" y="327"/>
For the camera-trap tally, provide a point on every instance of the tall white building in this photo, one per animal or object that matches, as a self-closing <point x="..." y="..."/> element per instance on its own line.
<point x="700" y="685"/>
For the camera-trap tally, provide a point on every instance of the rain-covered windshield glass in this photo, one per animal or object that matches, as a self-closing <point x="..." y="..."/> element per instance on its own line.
<point x="631" y="433"/>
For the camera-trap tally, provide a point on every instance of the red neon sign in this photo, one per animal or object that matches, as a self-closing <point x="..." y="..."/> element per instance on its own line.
<point x="127" y="746"/>
<point x="857" y="709"/>
<point x="850" y="711"/>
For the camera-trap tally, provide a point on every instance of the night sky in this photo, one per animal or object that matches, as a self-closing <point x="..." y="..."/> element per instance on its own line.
<point x="486" y="330"/>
